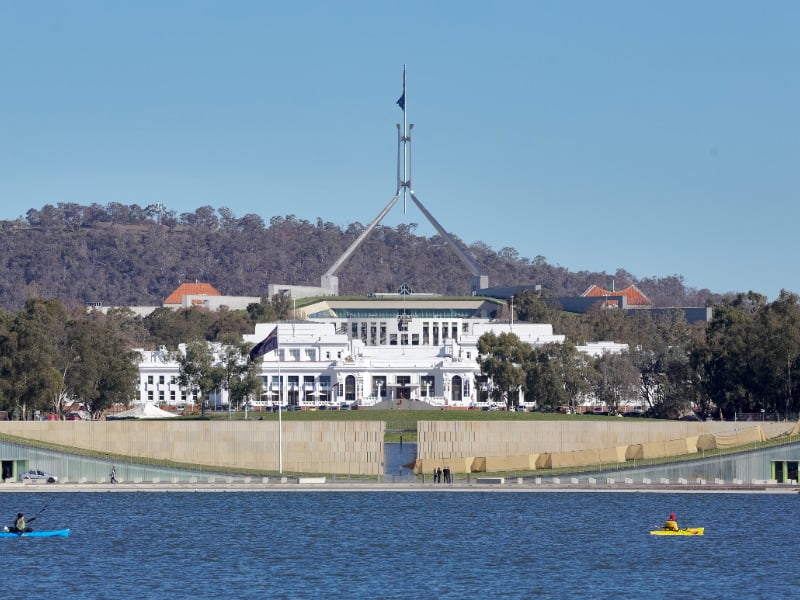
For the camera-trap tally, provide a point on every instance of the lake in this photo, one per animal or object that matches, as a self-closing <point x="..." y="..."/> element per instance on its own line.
<point x="402" y="545"/>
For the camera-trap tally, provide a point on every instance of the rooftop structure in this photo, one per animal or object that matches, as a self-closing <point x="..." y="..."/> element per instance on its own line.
<point x="634" y="297"/>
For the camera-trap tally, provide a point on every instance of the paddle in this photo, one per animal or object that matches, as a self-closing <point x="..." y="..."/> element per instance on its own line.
<point x="34" y="517"/>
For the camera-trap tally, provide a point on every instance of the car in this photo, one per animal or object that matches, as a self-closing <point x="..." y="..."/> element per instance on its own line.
<point x="39" y="475"/>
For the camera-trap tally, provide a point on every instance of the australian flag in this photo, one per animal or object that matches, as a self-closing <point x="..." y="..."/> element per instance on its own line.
<point x="401" y="102"/>
<point x="268" y="344"/>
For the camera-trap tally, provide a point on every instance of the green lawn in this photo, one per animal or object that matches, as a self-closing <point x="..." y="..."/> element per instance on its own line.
<point x="404" y="422"/>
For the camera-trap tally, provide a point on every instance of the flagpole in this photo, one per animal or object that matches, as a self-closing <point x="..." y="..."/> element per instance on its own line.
<point x="405" y="141"/>
<point x="280" y="420"/>
<point x="402" y="140"/>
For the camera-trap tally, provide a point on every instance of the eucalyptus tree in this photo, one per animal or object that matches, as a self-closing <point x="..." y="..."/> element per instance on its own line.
<point x="170" y="327"/>
<point x="239" y="375"/>
<point x="661" y="353"/>
<point x="618" y="380"/>
<point x="105" y="370"/>
<point x="530" y="307"/>
<point x="557" y="375"/>
<point x="730" y="363"/>
<point x="501" y="358"/>
<point x="35" y="356"/>
<point x="778" y="342"/>
<point x="197" y="371"/>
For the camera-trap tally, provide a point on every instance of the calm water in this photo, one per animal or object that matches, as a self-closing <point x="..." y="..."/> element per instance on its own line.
<point x="402" y="545"/>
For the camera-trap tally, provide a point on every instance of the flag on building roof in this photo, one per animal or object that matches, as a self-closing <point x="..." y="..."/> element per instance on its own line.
<point x="268" y="344"/>
<point x="401" y="102"/>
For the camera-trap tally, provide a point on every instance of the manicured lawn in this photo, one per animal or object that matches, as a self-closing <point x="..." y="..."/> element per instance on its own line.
<point x="404" y="422"/>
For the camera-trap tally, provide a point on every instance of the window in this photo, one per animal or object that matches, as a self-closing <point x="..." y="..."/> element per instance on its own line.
<point x="350" y="388"/>
<point x="172" y="396"/>
<point x="310" y="354"/>
<point x="160" y="379"/>
<point x="293" y="381"/>
<point x="149" y="379"/>
<point x="309" y="393"/>
<point x="150" y="395"/>
<point x="324" y="388"/>
<point x="482" y="388"/>
<point x="294" y="354"/>
<point x="455" y="388"/>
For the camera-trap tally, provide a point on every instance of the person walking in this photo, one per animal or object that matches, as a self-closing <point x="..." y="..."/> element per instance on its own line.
<point x="113" y="474"/>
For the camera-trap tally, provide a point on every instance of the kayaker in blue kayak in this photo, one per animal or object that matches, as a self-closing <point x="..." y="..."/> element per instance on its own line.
<point x="20" y="525"/>
<point x="671" y="524"/>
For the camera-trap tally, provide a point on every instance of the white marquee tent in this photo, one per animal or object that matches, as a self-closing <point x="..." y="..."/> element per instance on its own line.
<point x="144" y="411"/>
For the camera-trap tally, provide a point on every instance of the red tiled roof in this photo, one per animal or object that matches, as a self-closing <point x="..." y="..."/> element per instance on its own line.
<point x="191" y="289"/>
<point x="634" y="295"/>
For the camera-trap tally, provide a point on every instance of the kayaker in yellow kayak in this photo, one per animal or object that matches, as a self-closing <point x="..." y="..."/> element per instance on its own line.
<point x="671" y="524"/>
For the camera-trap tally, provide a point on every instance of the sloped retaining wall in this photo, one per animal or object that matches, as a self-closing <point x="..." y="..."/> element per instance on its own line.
<point x="308" y="446"/>
<point x="477" y="446"/>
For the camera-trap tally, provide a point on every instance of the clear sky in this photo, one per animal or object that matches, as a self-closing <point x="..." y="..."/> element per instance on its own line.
<point x="657" y="137"/>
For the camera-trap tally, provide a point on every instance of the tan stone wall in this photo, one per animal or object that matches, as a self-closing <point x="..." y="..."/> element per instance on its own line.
<point x="308" y="446"/>
<point x="440" y="440"/>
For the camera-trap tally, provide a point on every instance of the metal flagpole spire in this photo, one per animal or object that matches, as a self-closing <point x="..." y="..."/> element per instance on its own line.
<point x="404" y="147"/>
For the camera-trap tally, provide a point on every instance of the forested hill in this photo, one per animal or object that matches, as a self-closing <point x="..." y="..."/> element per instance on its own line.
<point x="128" y="255"/>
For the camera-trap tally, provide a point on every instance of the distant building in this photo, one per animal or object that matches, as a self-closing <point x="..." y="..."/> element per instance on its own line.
<point x="634" y="297"/>
<point x="191" y="295"/>
<point x="629" y="300"/>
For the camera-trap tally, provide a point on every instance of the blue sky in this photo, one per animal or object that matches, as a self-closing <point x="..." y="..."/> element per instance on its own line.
<point x="657" y="137"/>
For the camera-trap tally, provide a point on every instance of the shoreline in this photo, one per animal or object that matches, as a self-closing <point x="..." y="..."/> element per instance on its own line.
<point x="403" y="487"/>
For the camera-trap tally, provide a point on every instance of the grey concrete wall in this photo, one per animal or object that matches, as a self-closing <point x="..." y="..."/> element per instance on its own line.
<point x="308" y="446"/>
<point x="450" y="439"/>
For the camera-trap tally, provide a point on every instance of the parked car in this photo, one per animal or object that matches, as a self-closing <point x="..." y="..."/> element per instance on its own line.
<point x="39" y="475"/>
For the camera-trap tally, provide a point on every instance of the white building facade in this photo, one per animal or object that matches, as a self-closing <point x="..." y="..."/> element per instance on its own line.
<point x="367" y="361"/>
<point x="385" y="352"/>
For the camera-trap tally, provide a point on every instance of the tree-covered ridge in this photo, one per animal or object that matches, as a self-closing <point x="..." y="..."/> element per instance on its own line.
<point x="124" y="255"/>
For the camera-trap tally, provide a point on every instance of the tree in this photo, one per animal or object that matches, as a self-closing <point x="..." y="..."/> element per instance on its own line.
<point x="239" y="375"/>
<point x="618" y="382"/>
<point x="530" y="307"/>
<point x="170" y="327"/>
<point x="500" y="358"/>
<point x="33" y="354"/>
<point x="105" y="371"/>
<point x="729" y="366"/>
<point x="557" y="375"/>
<point x="197" y="371"/>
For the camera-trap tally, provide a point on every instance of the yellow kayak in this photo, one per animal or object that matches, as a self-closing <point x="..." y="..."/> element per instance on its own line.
<point x="687" y="531"/>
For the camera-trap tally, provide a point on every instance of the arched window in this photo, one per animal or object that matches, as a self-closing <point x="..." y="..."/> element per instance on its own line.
<point x="350" y="388"/>
<point x="455" y="389"/>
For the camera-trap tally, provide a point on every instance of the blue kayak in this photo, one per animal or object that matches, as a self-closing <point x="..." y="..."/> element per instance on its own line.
<point x="54" y="533"/>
